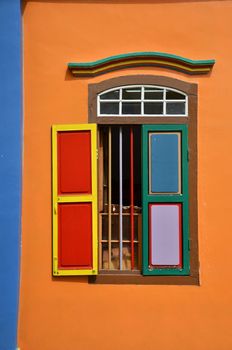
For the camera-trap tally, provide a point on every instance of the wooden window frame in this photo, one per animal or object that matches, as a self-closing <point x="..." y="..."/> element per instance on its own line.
<point x="190" y="121"/>
<point x="142" y="100"/>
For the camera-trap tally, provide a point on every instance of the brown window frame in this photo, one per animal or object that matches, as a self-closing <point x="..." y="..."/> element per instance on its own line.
<point x="191" y="90"/>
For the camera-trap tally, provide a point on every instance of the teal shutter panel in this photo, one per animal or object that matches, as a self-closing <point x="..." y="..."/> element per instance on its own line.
<point x="165" y="200"/>
<point x="163" y="149"/>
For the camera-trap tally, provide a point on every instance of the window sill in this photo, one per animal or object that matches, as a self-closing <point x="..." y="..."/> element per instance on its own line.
<point x="126" y="277"/>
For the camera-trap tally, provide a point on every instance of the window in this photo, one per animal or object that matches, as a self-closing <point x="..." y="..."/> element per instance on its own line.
<point x="146" y="211"/>
<point x="142" y="100"/>
<point x="150" y="160"/>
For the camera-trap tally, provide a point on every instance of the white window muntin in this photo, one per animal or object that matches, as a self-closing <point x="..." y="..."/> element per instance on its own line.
<point x="142" y="100"/>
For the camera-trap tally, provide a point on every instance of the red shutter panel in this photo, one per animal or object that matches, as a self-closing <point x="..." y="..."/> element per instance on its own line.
<point x="75" y="235"/>
<point x="74" y="162"/>
<point x="74" y="200"/>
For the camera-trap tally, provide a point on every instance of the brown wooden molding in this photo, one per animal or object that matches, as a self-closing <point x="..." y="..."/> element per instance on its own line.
<point x="143" y="280"/>
<point x="94" y="89"/>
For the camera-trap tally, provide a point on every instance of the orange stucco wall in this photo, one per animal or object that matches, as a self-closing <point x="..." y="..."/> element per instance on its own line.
<point x="68" y="313"/>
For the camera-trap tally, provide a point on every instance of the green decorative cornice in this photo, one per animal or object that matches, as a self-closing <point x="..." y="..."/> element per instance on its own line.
<point x="140" y="59"/>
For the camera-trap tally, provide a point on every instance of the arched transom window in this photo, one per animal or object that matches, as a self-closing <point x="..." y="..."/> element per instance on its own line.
<point x="142" y="100"/>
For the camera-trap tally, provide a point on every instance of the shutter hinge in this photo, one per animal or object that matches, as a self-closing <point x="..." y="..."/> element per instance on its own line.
<point x="188" y="155"/>
<point x="97" y="153"/>
<point x="189" y="244"/>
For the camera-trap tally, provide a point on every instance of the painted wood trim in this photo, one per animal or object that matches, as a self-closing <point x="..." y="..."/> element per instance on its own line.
<point x="140" y="59"/>
<point x="132" y="195"/>
<point x="120" y="198"/>
<point x="89" y="198"/>
<point x="100" y="193"/>
<point x="179" y="163"/>
<point x="109" y="193"/>
<point x="100" y="172"/>
<point x="165" y="198"/>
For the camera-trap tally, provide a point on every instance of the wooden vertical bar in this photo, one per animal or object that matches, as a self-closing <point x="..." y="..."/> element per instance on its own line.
<point x="100" y="191"/>
<point x="110" y="192"/>
<point x="100" y="170"/>
<point x="140" y="241"/>
<point x="132" y="195"/>
<point x="120" y="198"/>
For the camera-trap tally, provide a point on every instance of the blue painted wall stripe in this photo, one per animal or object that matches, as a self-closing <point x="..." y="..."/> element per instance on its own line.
<point x="10" y="169"/>
<point x="164" y="163"/>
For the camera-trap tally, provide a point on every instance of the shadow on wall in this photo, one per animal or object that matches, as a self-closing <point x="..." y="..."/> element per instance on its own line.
<point x="70" y="279"/>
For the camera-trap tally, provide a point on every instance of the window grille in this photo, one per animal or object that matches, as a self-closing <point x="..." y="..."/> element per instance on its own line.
<point x="120" y="206"/>
<point x="142" y="101"/>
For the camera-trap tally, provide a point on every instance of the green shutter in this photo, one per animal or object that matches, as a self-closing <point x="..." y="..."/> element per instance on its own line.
<point x="165" y="186"/>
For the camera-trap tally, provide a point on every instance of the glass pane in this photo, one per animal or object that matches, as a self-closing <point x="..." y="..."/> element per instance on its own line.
<point x="115" y="256"/>
<point x="115" y="227"/>
<point x="131" y="94"/>
<point x="137" y="264"/>
<point x="153" y="108"/>
<point x="136" y="228"/>
<point x="104" y="227"/>
<point x="165" y="160"/>
<point x="109" y="108"/>
<point x="131" y="108"/>
<point x="126" y="256"/>
<point x="173" y="95"/>
<point x="175" y="107"/>
<point x="153" y="94"/>
<point x="126" y="227"/>
<point x="105" y="256"/>
<point x="111" y="95"/>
